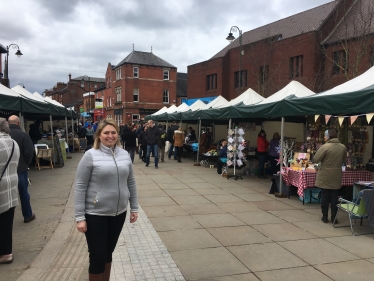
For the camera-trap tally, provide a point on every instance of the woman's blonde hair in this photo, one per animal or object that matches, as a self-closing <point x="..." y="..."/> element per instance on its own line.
<point x="103" y="123"/>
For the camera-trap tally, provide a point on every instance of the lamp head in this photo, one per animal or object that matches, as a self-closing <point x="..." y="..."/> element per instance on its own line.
<point x="230" y="37"/>
<point x="19" y="53"/>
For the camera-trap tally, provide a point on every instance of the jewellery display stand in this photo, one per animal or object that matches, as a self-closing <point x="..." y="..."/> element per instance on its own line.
<point x="234" y="150"/>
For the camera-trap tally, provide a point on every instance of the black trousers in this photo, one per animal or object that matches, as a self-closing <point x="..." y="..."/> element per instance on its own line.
<point x="102" y="236"/>
<point x="329" y="196"/>
<point x="219" y="165"/>
<point x="6" y="226"/>
<point x="274" y="167"/>
<point x="179" y="151"/>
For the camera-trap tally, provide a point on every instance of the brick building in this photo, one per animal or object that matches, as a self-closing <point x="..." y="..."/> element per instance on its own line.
<point x="321" y="48"/>
<point x="139" y="85"/>
<point x="71" y="94"/>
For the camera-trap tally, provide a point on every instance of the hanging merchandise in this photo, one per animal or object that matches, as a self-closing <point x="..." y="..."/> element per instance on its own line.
<point x="235" y="150"/>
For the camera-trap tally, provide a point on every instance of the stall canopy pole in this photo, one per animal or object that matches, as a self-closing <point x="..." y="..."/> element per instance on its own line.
<point x="53" y="143"/>
<point x="281" y="156"/>
<point x="66" y="134"/>
<point x="198" y="147"/>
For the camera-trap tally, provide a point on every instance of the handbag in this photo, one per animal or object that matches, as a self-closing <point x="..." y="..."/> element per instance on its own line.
<point x="7" y="163"/>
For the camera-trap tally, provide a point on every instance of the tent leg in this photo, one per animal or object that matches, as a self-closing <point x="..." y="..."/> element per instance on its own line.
<point x="66" y="136"/>
<point x="53" y="143"/>
<point x="281" y="156"/>
<point x="198" y="147"/>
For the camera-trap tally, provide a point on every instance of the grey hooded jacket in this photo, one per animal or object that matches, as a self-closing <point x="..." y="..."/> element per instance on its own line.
<point x="105" y="183"/>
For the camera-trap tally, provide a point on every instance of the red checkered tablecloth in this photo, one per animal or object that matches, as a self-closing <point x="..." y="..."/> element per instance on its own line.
<point x="305" y="179"/>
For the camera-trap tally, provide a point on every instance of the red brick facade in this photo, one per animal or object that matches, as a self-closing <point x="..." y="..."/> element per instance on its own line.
<point x="272" y="62"/>
<point x="119" y="100"/>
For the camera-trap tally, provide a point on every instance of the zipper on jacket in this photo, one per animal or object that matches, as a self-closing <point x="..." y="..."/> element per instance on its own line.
<point x="119" y="192"/>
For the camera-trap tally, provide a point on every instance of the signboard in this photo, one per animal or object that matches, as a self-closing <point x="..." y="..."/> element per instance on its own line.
<point x="98" y="104"/>
<point x="81" y="109"/>
<point x="147" y="111"/>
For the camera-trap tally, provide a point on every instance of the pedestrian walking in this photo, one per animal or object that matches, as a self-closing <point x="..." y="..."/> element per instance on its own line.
<point x="27" y="151"/>
<point x="105" y="183"/>
<point x="129" y="139"/>
<point x="89" y="135"/>
<point x="9" y="153"/>
<point x="170" y="138"/>
<point x="331" y="155"/>
<point x="151" y="135"/>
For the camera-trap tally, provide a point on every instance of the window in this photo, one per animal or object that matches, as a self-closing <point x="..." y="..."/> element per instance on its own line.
<point x="95" y="85"/>
<point x="264" y="74"/>
<point x="339" y="62"/>
<point x="136" y="72"/>
<point x="166" y="74"/>
<point x="135" y="118"/>
<point x="118" y="91"/>
<point x="110" y="101"/>
<point x="165" y="97"/>
<point x="118" y="74"/>
<point x="136" y="95"/>
<point x="82" y="83"/>
<point x="211" y="82"/>
<point x="242" y="79"/>
<point x="296" y="67"/>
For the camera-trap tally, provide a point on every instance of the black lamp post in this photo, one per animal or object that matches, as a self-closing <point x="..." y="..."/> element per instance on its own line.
<point x="6" y="68"/>
<point x="231" y="38"/>
<point x="89" y="93"/>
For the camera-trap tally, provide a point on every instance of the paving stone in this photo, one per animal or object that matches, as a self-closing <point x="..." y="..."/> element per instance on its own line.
<point x="360" y="246"/>
<point x="174" y="223"/>
<point x="181" y="192"/>
<point x="324" y="229"/>
<point x="283" y="231"/>
<point x="272" y="205"/>
<point x="217" y="220"/>
<point x="205" y="191"/>
<point x="359" y="270"/>
<point x="208" y="263"/>
<point x="252" y="197"/>
<point x="152" y="193"/>
<point x="188" y="239"/>
<point x="317" y="251"/>
<point x="194" y="199"/>
<point x="238" y="207"/>
<point x="164" y="211"/>
<point x="267" y="256"/>
<point x="238" y="235"/>
<point x="295" y="215"/>
<point x="156" y="201"/>
<point x="228" y="198"/>
<point x="202" y="209"/>
<point x="306" y="273"/>
<point x="252" y="218"/>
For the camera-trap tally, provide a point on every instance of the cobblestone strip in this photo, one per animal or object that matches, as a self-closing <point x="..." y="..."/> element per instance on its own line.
<point x="72" y="260"/>
<point x="141" y="255"/>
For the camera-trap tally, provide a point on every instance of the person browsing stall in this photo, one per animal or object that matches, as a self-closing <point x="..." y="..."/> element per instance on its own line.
<point x="178" y="142"/>
<point x="273" y="154"/>
<point x="262" y="153"/>
<point x="222" y="157"/>
<point x="105" y="183"/>
<point x="331" y="155"/>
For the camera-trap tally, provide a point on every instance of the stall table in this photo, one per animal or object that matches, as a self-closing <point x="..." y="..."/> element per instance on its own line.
<point x="307" y="178"/>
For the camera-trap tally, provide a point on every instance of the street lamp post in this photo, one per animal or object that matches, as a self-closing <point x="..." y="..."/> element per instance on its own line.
<point x="6" y="68"/>
<point x="230" y="38"/>
<point x="89" y="93"/>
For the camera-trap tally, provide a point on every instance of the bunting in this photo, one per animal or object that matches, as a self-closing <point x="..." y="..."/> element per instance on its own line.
<point x="353" y="119"/>
<point x="369" y="116"/>
<point x="341" y="119"/>
<point x="327" y="118"/>
<point x="316" y="118"/>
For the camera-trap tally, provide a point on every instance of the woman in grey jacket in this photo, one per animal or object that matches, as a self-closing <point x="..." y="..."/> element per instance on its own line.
<point x="8" y="190"/>
<point x="105" y="183"/>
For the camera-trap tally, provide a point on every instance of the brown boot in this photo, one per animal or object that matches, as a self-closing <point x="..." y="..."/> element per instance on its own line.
<point x="96" y="277"/>
<point x="108" y="267"/>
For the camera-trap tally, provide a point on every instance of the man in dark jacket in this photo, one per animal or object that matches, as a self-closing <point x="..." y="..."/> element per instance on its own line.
<point x="142" y="141"/>
<point x="161" y="142"/>
<point x="170" y="138"/>
<point x="152" y="134"/>
<point x="26" y="148"/>
<point x="82" y="131"/>
<point x="129" y="138"/>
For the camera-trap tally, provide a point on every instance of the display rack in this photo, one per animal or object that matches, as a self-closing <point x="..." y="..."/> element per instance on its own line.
<point x="235" y="147"/>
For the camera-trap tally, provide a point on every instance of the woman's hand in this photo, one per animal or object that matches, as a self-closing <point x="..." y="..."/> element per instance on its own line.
<point x="82" y="226"/>
<point x="133" y="217"/>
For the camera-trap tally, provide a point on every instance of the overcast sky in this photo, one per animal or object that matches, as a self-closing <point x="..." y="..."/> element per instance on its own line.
<point x="58" y="37"/>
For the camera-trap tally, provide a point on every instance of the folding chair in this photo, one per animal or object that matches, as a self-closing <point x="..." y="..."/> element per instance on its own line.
<point x="355" y="211"/>
<point x="44" y="153"/>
